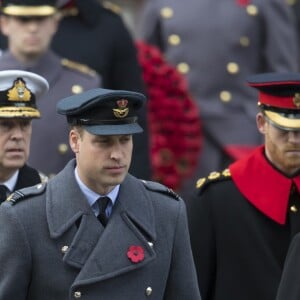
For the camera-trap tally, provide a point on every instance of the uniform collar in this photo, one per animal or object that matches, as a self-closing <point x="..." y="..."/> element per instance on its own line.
<point x="65" y="203"/>
<point x="263" y="186"/>
<point x="11" y="182"/>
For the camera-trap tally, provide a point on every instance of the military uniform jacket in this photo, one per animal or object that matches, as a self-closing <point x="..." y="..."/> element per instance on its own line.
<point x="241" y="224"/>
<point x="50" y="149"/>
<point x="53" y="247"/>
<point x="216" y="45"/>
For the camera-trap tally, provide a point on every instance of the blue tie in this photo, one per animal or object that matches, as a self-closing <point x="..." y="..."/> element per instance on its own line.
<point x="102" y="217"/>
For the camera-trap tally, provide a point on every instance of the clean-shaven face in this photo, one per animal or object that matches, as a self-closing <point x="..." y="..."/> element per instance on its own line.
<point x="28" y="38"/>
<point x="15" y="136"/>
<point x="102" y="160"/>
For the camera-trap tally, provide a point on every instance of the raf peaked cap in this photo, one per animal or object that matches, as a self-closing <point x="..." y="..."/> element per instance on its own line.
<point x="18" y="93"/>
<point x="279" y="98"/>
<point x="104" y="112"/>
<point x="28" y="8"/>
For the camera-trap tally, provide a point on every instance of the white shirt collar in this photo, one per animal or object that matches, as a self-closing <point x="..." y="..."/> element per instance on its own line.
<point x="12" y="181"/>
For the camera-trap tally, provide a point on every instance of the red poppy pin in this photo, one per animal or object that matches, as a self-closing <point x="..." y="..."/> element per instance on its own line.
<point x="135" y="254"/>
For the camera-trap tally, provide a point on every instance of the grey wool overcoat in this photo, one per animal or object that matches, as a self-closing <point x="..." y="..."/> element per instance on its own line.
<point x="52" y="247"/>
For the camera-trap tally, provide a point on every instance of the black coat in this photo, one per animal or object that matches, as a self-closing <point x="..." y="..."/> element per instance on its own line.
<point x="27" y="177"/>
<point x="239" y="250"/>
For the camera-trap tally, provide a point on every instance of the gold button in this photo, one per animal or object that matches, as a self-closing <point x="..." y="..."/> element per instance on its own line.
<point x="252" y="10"/>
<point x="294" y="208"/>
<point x="77" y="89"/>
<point x="244" y="41"/>
<point x="183" y="68"/>
<point x="166" y="12"/>
<point x="63" y="148"/>
<point x="225" y="96"/>
<point x="148" y="291"/>
<point x="174" y="39"/>
<point x="77" y="294"/>
<point x="64" y="249"/>
<point x="233" y="68"/>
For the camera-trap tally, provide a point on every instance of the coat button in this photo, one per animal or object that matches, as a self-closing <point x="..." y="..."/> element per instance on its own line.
<point x="233" y="68"/>
<point x="77" y="89"/>
<point x="244" y="41"/>
<point x="63" y="148"/>
<point x="148" y="291"/>
<point x="174" y="39"/>
<point x="77" y="294"/>
<point x="252" y="10"/>
<point x="166" y="12"/>
<point x="225" y="96"/>
<point x="150" y="244"/>
<point x="294" y="208"/>
<point x="183" y="68"/>
<point x="64" y="249"/>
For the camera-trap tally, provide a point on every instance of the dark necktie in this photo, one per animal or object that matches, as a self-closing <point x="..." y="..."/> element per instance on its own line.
<point x="4" y="192"/>
<point x="102" y="217"/>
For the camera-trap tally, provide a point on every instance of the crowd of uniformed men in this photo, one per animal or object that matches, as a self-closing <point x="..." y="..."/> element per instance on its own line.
<point x="240" y="62"/>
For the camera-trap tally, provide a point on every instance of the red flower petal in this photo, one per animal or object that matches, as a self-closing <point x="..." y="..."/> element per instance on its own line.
<point x="173" y="116"/>
<point x="135" y="253"/>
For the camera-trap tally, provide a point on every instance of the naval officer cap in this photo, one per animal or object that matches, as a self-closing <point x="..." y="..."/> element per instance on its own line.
<point x="279" y="98"/>
<point x="19" y="91"/>
<point x="104" y="112"/>
<point x="28" y="8"/>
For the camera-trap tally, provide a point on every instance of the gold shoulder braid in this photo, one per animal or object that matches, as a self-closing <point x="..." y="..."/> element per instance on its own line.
<point x="27" y="192"/>
<point x="112" y="7"/>
<point x="78" y="67"/>
<point x="213" y="177"/>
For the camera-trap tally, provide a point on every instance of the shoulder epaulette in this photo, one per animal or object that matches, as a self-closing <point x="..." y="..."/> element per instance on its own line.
<point x="213" y="177"/>
<point x="112" y="7"/>
<point x="160" y="188"/>
<point x="24" y="193"/>
<point x="78" y="67"/>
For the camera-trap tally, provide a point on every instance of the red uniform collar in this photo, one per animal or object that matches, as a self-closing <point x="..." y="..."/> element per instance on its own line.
<point x="262" y="185"/>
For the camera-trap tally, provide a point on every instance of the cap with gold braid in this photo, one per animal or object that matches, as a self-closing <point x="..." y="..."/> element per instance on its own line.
<point x="18" y="93"/>
<point x="279" y="98"/>
<point x="27" y="8"/>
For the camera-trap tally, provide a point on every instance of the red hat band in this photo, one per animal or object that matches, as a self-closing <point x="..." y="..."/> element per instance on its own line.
<point x="285" y="102"/>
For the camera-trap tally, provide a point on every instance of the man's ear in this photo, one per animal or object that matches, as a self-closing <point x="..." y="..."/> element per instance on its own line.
<point x="74" y="140"/>
<point x="3" y="25"/>
<point x="261" y="123"/>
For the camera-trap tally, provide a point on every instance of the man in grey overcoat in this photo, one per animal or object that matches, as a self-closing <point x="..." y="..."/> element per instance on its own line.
<point x="94" y="231"/>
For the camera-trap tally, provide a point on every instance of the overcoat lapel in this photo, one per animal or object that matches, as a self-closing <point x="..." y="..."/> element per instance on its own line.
<point x="131" y="224"/>
<point x="101" y="253"/>
<point x="67" y="206"/>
